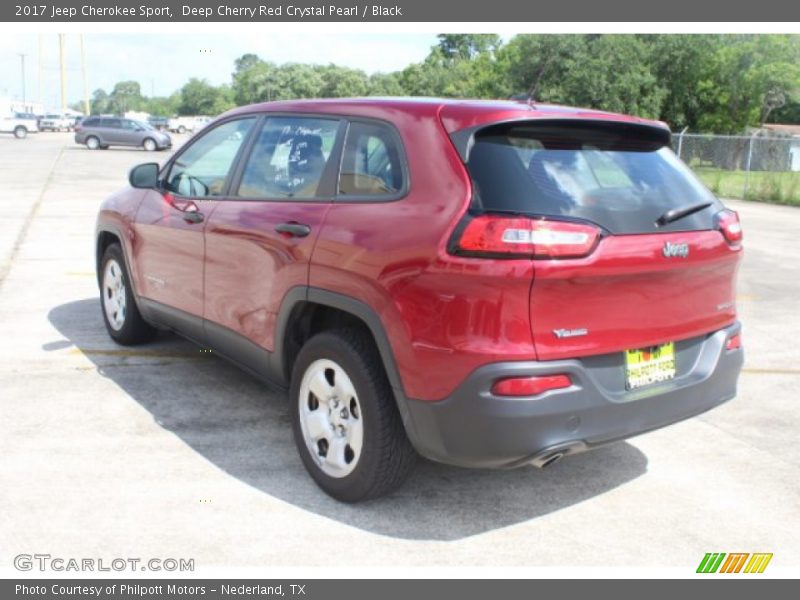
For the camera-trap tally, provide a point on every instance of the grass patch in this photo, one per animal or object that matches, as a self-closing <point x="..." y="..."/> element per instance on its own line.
<point x="761" y="186"/>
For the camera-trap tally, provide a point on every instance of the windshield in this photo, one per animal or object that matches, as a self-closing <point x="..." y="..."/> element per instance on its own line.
<point x="616" y="179"/>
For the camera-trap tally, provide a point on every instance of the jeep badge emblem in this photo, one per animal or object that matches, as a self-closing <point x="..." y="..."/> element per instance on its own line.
<point x="671" y="250"/>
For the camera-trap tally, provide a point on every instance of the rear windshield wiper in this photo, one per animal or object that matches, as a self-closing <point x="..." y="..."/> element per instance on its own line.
<point x="678" y="213"/>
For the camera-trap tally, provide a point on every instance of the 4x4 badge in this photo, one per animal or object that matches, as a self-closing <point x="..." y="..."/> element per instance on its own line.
<point x="670" y="250"/>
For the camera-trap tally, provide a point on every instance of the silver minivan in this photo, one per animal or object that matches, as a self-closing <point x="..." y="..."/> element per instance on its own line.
<point x="102" y="132"/>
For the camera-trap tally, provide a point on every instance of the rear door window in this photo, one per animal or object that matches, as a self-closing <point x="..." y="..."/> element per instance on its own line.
<point x="615" y="177"/>
<point x="289" y="159"/>
<point x="372" y="162"/>
<point x="112" y="123"/>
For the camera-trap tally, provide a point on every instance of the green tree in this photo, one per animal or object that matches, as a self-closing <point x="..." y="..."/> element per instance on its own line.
<point x="385" y="84"/>
<point x="747" y="78"/>
<point x="536" y="66"/>
<point x="679" y="63"/>
<point x="614" y="75"/>
<point x="163" y="106"/>
<point x="198" y="97"/>
<point x="341" y="82"/>
<point x="100" y="102"/>
<point x="467" y="45"/>
<point x="126" y="95"/>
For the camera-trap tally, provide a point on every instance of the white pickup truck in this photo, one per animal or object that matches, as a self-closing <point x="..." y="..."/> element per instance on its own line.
<point x="18" y="124"/>
<point x="187" y="124"/>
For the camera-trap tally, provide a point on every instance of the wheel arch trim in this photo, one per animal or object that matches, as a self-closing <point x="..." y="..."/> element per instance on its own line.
<point x="347" y="304"/>
<point x="116" y="232"/>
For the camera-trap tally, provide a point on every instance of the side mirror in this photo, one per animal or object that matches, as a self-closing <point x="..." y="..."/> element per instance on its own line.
<point x="144" y="176"/>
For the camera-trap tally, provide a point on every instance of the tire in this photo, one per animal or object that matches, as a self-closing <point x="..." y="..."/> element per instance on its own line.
<point x="150" y="145"/>
<point x="92" y="143"/>
<point x="340" y="364"/>
<point x="20" y="132"/>
<point x="123" y="321"/>
<point x="181" y="129"/>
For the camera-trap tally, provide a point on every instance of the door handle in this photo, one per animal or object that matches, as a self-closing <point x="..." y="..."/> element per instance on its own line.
<point x="193" y="217"/>
<point x="293" y="229"/>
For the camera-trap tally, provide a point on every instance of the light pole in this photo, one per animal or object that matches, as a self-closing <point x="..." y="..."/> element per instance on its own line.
<point x="63" y="71"/>
<point x="22" y="59"/>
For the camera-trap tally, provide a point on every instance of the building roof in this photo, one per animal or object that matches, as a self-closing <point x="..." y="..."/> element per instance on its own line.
<point x="784" y="128"/>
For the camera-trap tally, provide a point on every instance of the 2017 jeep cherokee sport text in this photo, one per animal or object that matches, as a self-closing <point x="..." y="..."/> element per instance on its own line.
<point x="488" y="284"/>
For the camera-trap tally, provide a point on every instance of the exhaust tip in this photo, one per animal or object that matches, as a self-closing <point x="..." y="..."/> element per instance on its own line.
<point x="551" y="459"/>
<point x="551" y="455"/>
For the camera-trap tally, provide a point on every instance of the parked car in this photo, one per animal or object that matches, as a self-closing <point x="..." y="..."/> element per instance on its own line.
<point x="160" y="123"/>
<point x="19" y="124"/>
<point x="102" y="132"/>
<point x="187" y="124"/>
<point x="55" y="122"/>
<point x="487" y="284"/>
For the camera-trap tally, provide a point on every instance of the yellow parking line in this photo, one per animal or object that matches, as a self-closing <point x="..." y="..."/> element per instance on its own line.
<point x="772" y="371"/>
<point x="136" y="353"/>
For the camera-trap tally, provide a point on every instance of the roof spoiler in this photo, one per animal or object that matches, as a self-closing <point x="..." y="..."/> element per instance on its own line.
<point x="464" y="139"/>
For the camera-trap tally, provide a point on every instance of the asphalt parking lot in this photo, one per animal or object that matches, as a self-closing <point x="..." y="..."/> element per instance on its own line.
<point x="163" y="451"/>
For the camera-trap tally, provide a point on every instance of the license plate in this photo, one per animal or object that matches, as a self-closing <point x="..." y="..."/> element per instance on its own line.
<point x="646" y="366"/>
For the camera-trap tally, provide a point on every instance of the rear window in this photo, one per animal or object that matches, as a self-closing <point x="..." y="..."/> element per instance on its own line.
<point x="90" y="122"/>
<point x="372" y="164"/>
<point x="616" y="177"/>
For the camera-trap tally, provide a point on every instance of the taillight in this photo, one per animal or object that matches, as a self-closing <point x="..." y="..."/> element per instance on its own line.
<point x="530" y="386"/>
<point x="729" y="225"/>
<point x="515" y="237"/>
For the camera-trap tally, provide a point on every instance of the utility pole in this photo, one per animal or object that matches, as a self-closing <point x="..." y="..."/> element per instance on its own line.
<point x="63" y="71"/>
<point x="86" y="108"/>
<point x="40" y="70"/>
<point x="22" y="58"/>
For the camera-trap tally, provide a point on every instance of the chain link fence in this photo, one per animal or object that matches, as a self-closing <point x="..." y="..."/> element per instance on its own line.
<point x="755" y="167"/>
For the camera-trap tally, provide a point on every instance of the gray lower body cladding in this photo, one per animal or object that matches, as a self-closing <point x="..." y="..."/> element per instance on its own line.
<point x="474" y="428"/>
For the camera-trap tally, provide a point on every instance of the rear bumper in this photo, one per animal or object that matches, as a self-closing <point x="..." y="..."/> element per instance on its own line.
<point x="474" y="428"/>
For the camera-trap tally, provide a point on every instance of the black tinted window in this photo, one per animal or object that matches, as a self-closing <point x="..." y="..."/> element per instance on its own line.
<point x="619" y="179"/>
<point x="112" y="123"/>
<point x="372" y="162"/>
<point x="90" y="122"/>
<point x="289" y="158"/>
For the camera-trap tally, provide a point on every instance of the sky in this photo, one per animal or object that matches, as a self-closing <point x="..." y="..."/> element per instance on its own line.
<point x="162" y="63"/>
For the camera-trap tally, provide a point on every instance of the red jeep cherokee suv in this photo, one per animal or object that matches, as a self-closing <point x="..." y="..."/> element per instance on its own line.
<point x="488" y="284"/>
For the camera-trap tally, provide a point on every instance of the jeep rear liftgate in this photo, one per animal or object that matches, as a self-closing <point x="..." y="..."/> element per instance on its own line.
<point x="628" y="295"/>
<point x="630" y="250"/>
